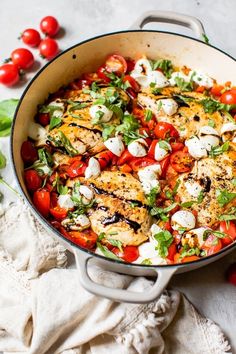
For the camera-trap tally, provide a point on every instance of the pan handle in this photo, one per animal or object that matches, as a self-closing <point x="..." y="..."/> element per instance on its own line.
<point x="121" y="295"/>
<point x="170" y="17"/>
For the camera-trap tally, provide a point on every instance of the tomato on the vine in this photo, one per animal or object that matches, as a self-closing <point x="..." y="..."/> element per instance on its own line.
<point x="9" y="74"/>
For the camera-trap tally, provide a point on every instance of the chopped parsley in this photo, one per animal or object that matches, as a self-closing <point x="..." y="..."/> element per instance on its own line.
<point x="224" y="197"/>
<point x="164" y="240"/>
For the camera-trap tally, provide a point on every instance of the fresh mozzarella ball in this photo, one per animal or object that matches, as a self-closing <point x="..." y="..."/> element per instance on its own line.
<point x="82" y="220"/>
<point x="194" y="238"/>
<point x="107" y="114"/>
<point x="148" y="177"/>
<point x="207" y="130"/>
<point x="142" y="66"/>
<point x="60" y="105"/>
<point x="155" y="229"/>
<point x="86" y="193"/>
<point x="178" y="74"/>
<point x="193" y="188"/>
<point x="168" y="105"/>
<point x="64" y="201"/>
<point x="158" y="79"/>
<point x="147" y="250"/>
<point x="183" y="218"/>
<point x="161" y="153"/>
<point x="37" y="132"/>
<point x="209" y="141"/>
<point x="228" y="132"/>
<point x="201" y="79"/>
<point x="142" y="79"/>
<point x="196" y="147"/>
<point x="138" y="148"/>
<point x="227" y="127"/>
<point x="93" y="169"/>
<point x="115" y="145"/>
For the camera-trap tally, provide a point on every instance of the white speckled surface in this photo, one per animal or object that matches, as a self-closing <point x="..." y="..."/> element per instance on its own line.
<point x="82" y="19"/>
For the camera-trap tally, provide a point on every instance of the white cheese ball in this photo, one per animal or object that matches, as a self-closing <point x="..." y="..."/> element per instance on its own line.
<point x="93" y="169"/>
<point x="201" y="79"/>
<point x="178" y="74"/>
<point x="37" y="132"/>
<point x="64" y="201"/>
<point x="207" y="130"/>
<point x="196" y="147"/>
<point x="147" y="250"/>
<point x="107" y="114"/>
<point x="148" y="177"/>
<point x="86" y="193"/>
<point x="158" y="78"/>
<point x="142" y="79"/>
<point x="209" y="141"/>
<point x="82" y="220"/>
<point x="193" y="188"/>
<point x="115" y="145"/>
<point x="227" y="127"/>
<point x="58" y="112"/>
<point x="142" y="66"/>
<point x="138" y="148"/>
<point x="183" y="219"/>
<point x="155" y="229"/>
<point x="161" y="153"/>
<point x="168" y="105"/>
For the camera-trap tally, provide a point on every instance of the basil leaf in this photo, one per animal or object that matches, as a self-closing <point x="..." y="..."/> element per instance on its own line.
<point x="205" y="38"/>
<point x="107" y="253"/>
<point x="224" y="197"/>
<point x="184" y="85"/>
<point x="165" y="65"/>
<point x="148" y="115"/>
<point x="7" y="110"/>
<point x="211" y="123"/>
<point x="146" y="261"/>
<point x="164" y="145"/>
<point x="164" y="240"/>
<point x="227" y="217"/>
<point x="233" y="181"/>
<point x="3" y="160"/>
<point x="116" y="243"/>
<point x="151" y="197"/>
<point x="188" y="204"/>
<point x="218" y="150"/>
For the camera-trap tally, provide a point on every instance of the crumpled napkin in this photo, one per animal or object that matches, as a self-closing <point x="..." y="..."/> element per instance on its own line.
<point x="44" y="309"/>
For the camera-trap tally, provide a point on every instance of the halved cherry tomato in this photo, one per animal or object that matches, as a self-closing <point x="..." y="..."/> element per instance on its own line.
<point x="171" y="176"/>
<point x="79" y="84"/>
<point x="44" y="119"/>
<point x="60" y="228"/>
<point x="229" y="97"/>
<point x="132" y="94"/>
<point x="151" y="151"/>
<point x="116" y="64"/>
<point x="130" y="65"/>
<point x="129" y="254"/>
<point x="105" y="158"/>
<point x="189" y="259"/>
<point x="165" y="130"/>
<point x="28" y="151"/>
<point x="102" y="74"/>
<point x="167" y="225"/>
<point x="229" y="228"/>
<point x="177" y="236"/>
<point x="216" y="90"/>
<point x="90" y="77"/>
<point x="86" y="238"/>
<point x="133" y="83"/>
<point x="181" y="161"/>
<point x="58" y="213"/>
<point x="32" y="180"/>
<point x="171" y="252"/>
<point x="125" y="168"/>
<point x="141" y="162"/>
<point x="77" y="168"/>
<point x="212" y="244"/>
<point x="176" y="146"/>
<point x="200" y="89"/>
<point x="164" y="166"/>
<point x="124" y="158"/>
<point x="41" y="200"/>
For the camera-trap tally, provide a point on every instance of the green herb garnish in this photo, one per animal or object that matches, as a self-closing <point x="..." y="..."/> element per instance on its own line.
<point x="115" y="243"/>
<point x="164" y="240"/>
<point x="151" y="197"/>
<point x="148" y="115"/>
<point x="218" y="150"/>
<point x="224" y="197"/>
<point x="107" y="253"/>
<point x="7" y="110"/>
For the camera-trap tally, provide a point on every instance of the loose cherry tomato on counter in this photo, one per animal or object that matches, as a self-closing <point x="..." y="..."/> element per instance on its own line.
<point x="116" y="64"/>
<point x="212" y="245"/>
<point x="101" y="72"/>
<point x="129" y="254"/>
<point x="44" y="119"/>
<point x="29" y="153"/>
<point x="231" y="274"/>
<point x="86" y="238"/>
<point x="124" y="158"/>
<point x="141" y="162"/>
<point x="50" y="26"/>
<point x="32" y="180"/>
<point x="22" y="58"/>
<point x="216" y="90"/>
<point x="41" y="200"/>
<point x="229" y="228"/>
<point x="176" y="146"/>
<point x="9" y="74"/>
<point x="165" y="130"/>
<point x="171" y="252"/>
<point x="48" y="48"/>
<point x="76" y="169"/>
<point x="31" y="37"/>
<point x="132" y="82"/>
<point x="58" y="213"/>
<point x="181" y="161"/>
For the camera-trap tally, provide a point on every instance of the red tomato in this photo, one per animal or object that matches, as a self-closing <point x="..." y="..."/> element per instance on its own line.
<point x="229" y="228"/>
<point x="79" y="84"/>
<point x="171" y="176"/>
<point x="129" y="254"/>
<point x="132" y="94"/>
<point x="167" y="226"/>
<point x="9" y="74"/>
<point x="41" y="200"/>
<point x="189" y="259"/>
<point x="130" y="65"/>
<point x="22" y="58"/>
<point x="105" y="158"/>
<point x="58" y="213"/>
<point x="177" y="236"/>
<point x="90" y="77"/>
<point x="32" y="180"/>
<point x="44" y="119"/>
<point x="125" y="168"/>
<point x="31" y="37"/>
<point x="29" y="153"/>
<point x="86" y="239"/>
<point x="133" y="83"/>
<point x="102" y="74"/>
<point x="48" y="48"/>
<point x="151" y="151"/>
<point x="124" y="158"/>
<point x="181" y="161"/>
<point x="175" y="146"/>
<point x="50" y="26"/>
<point x="60" y="228"/>
<point x="212" y="245"/>
<point x="229" y="97"/>
<point x="200" y="89"/>
<point x="164" y="166"/>
<point x="140" y="162"/>
<point x="231" y="274"/>
<point x="171" y="252"/>
<point x="165" y="130"/>
<point x="77" y="168"/>
<point x="116" y="64"/>
<point x="216" y="90"/>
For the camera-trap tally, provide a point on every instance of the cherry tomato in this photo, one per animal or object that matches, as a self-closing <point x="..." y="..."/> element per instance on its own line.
<point x="91" y="77"/>
<point x="125" y="168"/>
<point x="129" y="254"/>
<point x="58" y="213"/>
<point x="49" y="25"/>
<point x="102" y="74"/>
<point x="124" y="158"/>
<point x="189" y="259"/>
<point x="175" y="146"/>
<point x="229" y="228"/>
<point x="44" y="119"/>
<point x="105" y="158"/>
<point x="130" y="65"/>
<point x="77" y="168"/>
<point x="132" y="94"/>
<point x="212" y="245"/>
<point x="79" y="84"/>
<point x="22" y="58"/>
<point x="60" y="228"/>
<point x="216" y="90"/>
<point x="32" y="180"/>
<point x="140" y="162"/>
<point x="31" y="37"/>
<point x="171" y="252"/>
<point x="181" y="161"/>
<point x="29" y="153"/>
<point x="200" y="89"/>
<point x="171" y="176"/>
<point x="231" y="274"/>
<point x="41" y="200"/>
<point x="229" y="97"/>
<point x="151" y="151"/>
<point x="86" y="238"/>
<point x="165" y="130"/>
<point x="48" y="48"/>
<point x="177" y="236"/>
<point x="116" y="64"/>
<point x="133" y="83"/>
<point x="9" y="74"/>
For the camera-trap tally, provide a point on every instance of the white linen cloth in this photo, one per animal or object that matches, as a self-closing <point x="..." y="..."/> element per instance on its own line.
<point x="44" y="309"/>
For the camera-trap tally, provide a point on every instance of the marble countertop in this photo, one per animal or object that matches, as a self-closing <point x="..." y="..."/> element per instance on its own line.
<point x="81" y="19"/>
